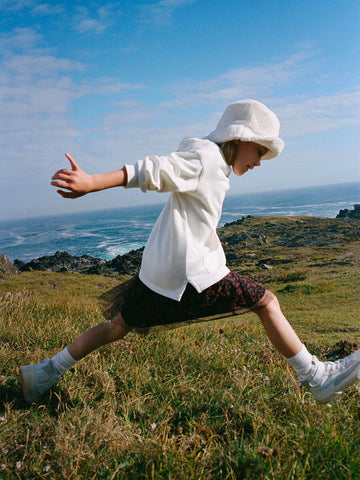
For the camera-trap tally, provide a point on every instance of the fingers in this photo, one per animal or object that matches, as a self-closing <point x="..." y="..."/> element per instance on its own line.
<point x="61" y="185"/>
<point x="69" y="194"/>
<point x="63" y="194"/>
<point x="74" y="165"/>
<point x="62" y="175"/>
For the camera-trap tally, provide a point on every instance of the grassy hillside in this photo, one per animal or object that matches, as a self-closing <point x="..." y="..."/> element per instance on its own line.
<point x="206" y="401"/>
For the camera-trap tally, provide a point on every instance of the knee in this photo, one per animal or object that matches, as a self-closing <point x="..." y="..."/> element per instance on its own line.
<point x="269" y="300"/>
<point x="268" y="303"/>
<point x="118" y="327"/>
<point x="273" y="302"/>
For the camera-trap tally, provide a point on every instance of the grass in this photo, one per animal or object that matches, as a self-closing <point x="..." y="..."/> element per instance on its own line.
<point x="206" y="401"/>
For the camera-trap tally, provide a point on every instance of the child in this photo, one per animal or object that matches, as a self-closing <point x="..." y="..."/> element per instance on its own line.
<point x="183" y="273"/>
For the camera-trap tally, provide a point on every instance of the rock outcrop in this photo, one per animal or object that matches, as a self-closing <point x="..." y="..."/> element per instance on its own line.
<point x="127" y="264"/>
<point x="6" y="267"/>
<point x="64" y="262"/>
<point x="346" y="213"/>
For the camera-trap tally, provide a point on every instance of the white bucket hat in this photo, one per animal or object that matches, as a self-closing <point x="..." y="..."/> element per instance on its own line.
<point x="250" y="121"/>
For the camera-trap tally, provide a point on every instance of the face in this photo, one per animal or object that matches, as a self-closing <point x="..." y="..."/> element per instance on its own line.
<point x="247" y="157"/>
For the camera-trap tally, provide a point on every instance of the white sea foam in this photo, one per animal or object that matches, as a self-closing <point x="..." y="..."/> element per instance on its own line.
<point x="18" y="240"/>
<point x="67" y="234"/>
<point x="89" y="235"/>
<point x="114" y="251"/>
<point x="105" y="244"/>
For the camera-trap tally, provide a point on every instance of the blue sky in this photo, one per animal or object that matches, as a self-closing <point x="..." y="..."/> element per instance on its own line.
<point x="113" y="82"/>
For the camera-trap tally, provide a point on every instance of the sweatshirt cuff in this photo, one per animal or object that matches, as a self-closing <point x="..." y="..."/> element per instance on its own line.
<point x="132" y="176"/>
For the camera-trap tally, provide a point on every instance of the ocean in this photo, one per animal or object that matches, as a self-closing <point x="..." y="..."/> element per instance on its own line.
<point x="108" y="233"/>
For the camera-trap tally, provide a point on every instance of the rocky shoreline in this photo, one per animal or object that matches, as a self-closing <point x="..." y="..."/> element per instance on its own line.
<point x="248" y="234"/>
<point x="127" y="264"/>
<point x="346" y="213"/>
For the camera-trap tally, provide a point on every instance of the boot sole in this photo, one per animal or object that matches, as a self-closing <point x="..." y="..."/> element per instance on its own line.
<point x="27" y="383"/>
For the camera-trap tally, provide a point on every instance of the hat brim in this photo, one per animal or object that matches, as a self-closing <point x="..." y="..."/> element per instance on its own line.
<point x="239" y="132"/>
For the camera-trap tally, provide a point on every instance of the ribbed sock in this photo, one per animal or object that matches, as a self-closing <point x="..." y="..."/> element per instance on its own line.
<point x="302" y="362"/>
<point x="63" y="361"/>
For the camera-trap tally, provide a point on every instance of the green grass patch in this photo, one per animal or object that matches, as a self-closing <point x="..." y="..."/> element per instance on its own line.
<point x="295" y="276"/>
<point x="309" y="288"/>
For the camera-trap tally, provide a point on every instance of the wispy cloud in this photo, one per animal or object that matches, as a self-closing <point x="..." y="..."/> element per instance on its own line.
<point x="16" y="5"/>
<point x="320" y="114"/>
<point x="161" y="13"/>
<point x="97" y="22"/>
<point x="46" y="9"/>
<point x="108" y="86"/>
<point x="241" y="83"/>
<point x="37" y="94"/>
<point x="23" y="39"/>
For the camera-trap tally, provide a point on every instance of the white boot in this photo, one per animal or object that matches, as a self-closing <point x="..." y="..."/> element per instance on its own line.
<point x="37" y="379"/>
<point x="328" y="379"/>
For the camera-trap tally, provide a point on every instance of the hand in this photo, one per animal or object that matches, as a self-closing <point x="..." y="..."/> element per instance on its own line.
<point x="78" y="182"/>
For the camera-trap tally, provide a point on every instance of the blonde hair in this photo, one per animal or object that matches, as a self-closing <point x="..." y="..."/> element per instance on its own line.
<point x="229" y="150"/>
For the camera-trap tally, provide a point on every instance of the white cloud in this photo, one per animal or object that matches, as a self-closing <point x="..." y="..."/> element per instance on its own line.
<point x="108" y="86"/>
<point x="39" y="66"/>
<point x="98" y="23"/>
<point x="240" y="83"/>
<point x="161" y="13"/>
<point x="16" y="5"/>
<point x="20" y="38"/>
<point x="46" y="9"/>
<point x="37" y="92"/>
<point x="320" y="114"/>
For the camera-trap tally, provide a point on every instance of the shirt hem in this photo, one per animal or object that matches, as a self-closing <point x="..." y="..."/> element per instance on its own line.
<point x="173" y="294"/>
<point x="199" y="284"/>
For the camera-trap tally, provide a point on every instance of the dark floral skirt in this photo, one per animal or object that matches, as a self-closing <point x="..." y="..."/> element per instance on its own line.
<point x="143" y="308"/>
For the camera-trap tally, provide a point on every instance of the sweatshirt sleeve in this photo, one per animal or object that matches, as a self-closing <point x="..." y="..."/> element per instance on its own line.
<point x="177" y="172"/>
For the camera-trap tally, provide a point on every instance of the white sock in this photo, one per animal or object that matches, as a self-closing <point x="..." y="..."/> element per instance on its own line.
<point x="63" y="360"/>
<point x="302" y="362"/>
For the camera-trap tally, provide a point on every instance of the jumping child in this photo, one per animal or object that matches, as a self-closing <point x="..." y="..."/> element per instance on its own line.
<point x="183" y="273"/>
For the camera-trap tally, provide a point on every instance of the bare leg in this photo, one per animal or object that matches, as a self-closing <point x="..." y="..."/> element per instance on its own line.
<point x="37" y="379"/>
<point x="278" y="329"/>
<point x="97" y="336"/>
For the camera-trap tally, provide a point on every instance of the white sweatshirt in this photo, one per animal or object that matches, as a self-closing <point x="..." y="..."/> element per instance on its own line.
<point x="183" y="246"/>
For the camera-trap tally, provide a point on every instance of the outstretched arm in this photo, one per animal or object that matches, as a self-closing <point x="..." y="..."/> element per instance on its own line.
<point x="77" y="183"/>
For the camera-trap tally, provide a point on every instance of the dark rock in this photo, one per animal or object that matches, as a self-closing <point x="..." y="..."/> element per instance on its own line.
<point x="262" y="239"/>
<point x="128" y="264"/>
<point x="19" y="263"/>
<point x="64" y="262"/>
<point x="265" y="266"/>
<point x="6" y="267"/>
<point x="346" y="213"/>
<point x="238" y="221"/>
